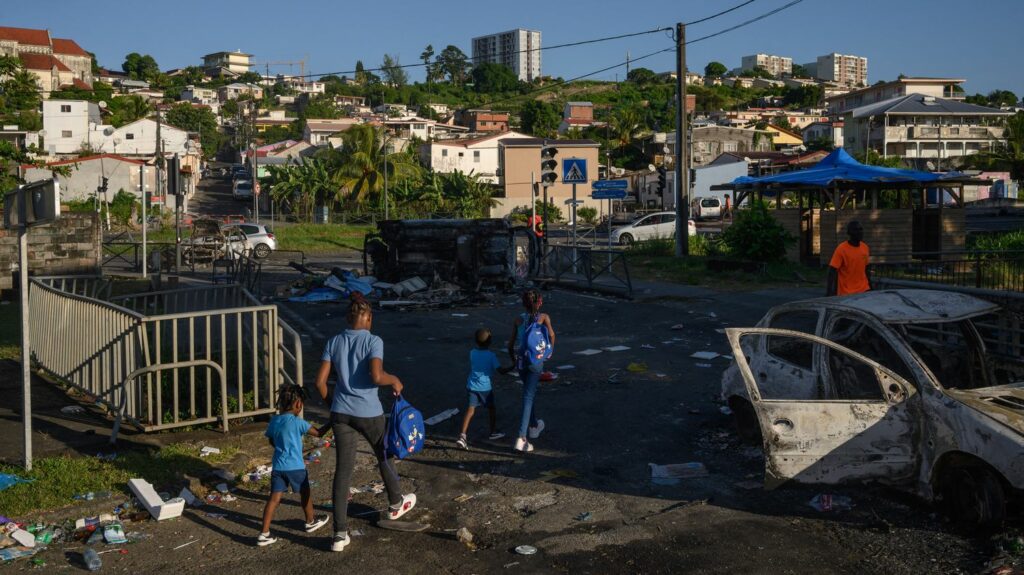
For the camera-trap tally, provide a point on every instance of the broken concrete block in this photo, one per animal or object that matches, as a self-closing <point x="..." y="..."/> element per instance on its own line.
<point x="157" y="507"/>
<point x="409" y="286"/>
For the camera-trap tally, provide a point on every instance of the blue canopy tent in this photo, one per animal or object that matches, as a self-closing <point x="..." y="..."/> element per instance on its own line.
<point x="823" y="195"/>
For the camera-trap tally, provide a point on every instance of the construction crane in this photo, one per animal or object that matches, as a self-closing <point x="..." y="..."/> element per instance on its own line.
<point x="290" y="63"/>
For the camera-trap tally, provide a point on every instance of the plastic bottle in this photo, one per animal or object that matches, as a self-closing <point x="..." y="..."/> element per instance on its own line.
<point x="92" y="559"/>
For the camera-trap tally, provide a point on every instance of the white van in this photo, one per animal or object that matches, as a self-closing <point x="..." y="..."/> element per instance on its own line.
<point x="706" y="208"/>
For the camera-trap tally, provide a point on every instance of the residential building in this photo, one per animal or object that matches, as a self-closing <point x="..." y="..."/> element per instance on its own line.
<point x="18" y="138"/>
<point x="439" y="109"/>
<point x="827" y="130"/>
<point x="130" y="86"/>
<point x="576" y="115"/>
<point x="227" y="63"/>
<point x="707" y="143"/>
<point x="947" y="88"/>
<point x="319" y="132"/>
<point x="517" y="49"/>
<point x="922" y="129"/>
<point x="68" y="125"/>
<point x="112" y="77"/>
<point x="475" y="155"/>
<point x="358" y="101"/>
<point x="782" y="138"/>
<point x="775" y="65"/>
<point x="138" y="139"/>
<point x="421" y="128"/>
<point x="83" y="178"/>
<point x="207" y="96"/>
<point x="56" y="62"/>
<point x="273" y="118"/>
<point x="519" y="157"/>
<point x="482" y="121"/>
<point x="842" y="69"/>
<point x="233" y="91"/>
<point x="297" y="83"/>
<point x="392" y="109"/>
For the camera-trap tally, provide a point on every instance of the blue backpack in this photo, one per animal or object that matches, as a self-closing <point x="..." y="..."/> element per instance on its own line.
<point x="535" y="348"/>
<point x="405" y="431"/>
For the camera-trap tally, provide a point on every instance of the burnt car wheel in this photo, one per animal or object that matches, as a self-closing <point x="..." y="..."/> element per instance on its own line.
<point x="745" y="418"/>
<point x="974" y="496"/>
<point x="261" y="251"/>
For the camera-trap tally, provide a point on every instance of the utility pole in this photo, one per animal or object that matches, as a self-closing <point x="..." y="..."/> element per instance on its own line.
<point x="385" y="133"/>
<point x="142" y="187"/>
<point x="682" y="179"/>
<point x="255" y="162"/>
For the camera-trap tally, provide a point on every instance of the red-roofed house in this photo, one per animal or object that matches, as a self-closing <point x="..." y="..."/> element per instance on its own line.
<point x="56" y="62"/>
<point x="476" y="155"/>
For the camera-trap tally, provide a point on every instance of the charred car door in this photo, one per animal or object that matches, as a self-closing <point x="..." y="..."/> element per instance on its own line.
<point x="861" y="429"/>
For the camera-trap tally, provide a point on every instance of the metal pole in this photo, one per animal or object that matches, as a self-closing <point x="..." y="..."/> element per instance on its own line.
<point x="26" y="350"/>
<point x="142" y="185"/>
<point x="533" y="203"/>
<point x="386" y="211"/>
<point x="682" y="179"/>
<point x="573" y="210"/>
<point x="609" y="223"/>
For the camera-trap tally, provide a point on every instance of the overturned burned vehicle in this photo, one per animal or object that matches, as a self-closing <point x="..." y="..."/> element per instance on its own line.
<point x="918" y="389"/>
<point x="470" y="253"/>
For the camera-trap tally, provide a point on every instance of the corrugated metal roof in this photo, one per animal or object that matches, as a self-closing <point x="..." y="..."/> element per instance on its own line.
<point x="537" y="142"/>
<point x="921" y="105"/>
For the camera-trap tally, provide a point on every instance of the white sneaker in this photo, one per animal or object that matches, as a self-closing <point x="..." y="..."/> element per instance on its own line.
<point x="462" y="442"/>
<point x="318" y="522"/>
<point x="341" y="540"/>
<point x="408" y="502"/>
<point x="523" y="445"/>
<point x="534" y="432"/>
<point x="265" y="539"/>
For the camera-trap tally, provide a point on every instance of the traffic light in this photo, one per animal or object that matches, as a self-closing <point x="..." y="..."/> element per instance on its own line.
<point x="174" y="176"/>
<point x="548" y="165"/>
<point x="662" y="182"/>
<point x="104" y="186"/>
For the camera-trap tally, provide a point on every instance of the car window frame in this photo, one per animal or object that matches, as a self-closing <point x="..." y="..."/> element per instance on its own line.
<point x="832" y="316"/>
<point x="818" y="325"/>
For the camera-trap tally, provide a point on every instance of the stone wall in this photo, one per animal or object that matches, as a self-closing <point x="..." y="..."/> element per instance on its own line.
<point x="71" y="245"/>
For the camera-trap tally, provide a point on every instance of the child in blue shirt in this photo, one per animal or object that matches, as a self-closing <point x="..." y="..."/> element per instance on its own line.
<point x="482" y="365"/>
<point x="285" y="434"/>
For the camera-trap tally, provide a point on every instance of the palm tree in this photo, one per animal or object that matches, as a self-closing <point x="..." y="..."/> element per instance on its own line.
<point x="626" y="123"/>
<point x="362" y="162"/>
<point x="302" y="186"/>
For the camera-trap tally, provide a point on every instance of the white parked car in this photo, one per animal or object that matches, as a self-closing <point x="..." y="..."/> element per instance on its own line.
<point x="649" y="227"/>
<point x="706" y="208"/>
<point x="913" y="388"/>
<point x="242" y="190"/>
<point x="259" y="240"/>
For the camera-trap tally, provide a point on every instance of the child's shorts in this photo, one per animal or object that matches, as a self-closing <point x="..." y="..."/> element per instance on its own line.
<point x="481" y="398"/>
<point x="297" y="479"/>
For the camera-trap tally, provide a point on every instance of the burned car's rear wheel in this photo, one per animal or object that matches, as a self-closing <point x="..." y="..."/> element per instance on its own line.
<point x="974" y="496"/>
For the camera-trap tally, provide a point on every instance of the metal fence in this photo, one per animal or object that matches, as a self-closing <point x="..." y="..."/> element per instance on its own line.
<point x="166" y="359"/>
<point x="584" y="267"/>
<point x="1003" y="271"/>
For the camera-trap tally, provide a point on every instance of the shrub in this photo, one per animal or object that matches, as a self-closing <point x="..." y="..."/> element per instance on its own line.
<point x="757" y="236"/>
<point x="1009" y="241"/>
<point x="587" y="214"/>
<point x="554" y="213"/>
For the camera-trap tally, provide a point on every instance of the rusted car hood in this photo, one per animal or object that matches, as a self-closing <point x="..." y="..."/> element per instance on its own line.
<point x="1004" y="404"/>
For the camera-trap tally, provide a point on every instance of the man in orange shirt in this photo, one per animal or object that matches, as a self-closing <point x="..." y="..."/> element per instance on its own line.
<point x="848" y="271"/>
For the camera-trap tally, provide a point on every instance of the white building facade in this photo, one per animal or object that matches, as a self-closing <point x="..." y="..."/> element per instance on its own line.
<point x="68" y="126"/>
<point x="843" y="69"/>
<point x="478" y="156"/>
<point x="517" y="49"/>
<point x="775" y="65"/>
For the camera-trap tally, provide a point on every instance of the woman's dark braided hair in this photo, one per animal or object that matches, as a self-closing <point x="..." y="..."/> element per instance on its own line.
<point x="357" y="307"/>
<point x="288" y="395"/>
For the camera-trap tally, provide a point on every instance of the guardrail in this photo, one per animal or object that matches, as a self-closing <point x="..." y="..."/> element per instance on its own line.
<point x="150" y="356"/>
<point x="600" y="270"/>
<point x="1003" y="271"/>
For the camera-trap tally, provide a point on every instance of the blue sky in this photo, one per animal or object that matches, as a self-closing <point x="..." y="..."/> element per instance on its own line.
<point x="979" y="40"/>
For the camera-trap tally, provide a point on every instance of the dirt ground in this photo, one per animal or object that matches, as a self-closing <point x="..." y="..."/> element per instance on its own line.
<point x="584" y="499"/>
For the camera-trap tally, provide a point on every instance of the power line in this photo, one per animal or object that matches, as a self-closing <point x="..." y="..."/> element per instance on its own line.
<point x="722" y="13"/>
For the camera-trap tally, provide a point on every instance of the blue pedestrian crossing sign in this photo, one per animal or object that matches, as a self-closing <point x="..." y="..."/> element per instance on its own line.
<point x="574" y="171"/>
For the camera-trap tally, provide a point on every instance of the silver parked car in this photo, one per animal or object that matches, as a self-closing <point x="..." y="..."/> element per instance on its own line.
<point x="259" y="240"/>
<point x="913" y="388"/>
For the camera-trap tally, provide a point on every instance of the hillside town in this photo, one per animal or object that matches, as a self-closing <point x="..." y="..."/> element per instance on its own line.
<point x="765" y="309"/>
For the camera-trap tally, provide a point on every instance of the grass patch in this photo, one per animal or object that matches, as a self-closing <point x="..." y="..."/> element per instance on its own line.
<point x="692" y="270"/>
<point x="309" y="238"/>
<point x="59" y="479"/>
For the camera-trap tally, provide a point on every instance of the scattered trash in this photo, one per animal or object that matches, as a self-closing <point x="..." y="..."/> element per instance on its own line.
<point x="557" y="474"/>
<point x="356" y="532"/>
<point x="317" y="295"/>
<point x="671" y="474"/>
<point x="464" y="536"/>
<point x="660" y="375"/>
<point x="223" y="474"/>
<point x="725" y="410"/>
<point x="712" y="314"/>
<point x="548" y="376"/>
<point x="189" y="498"/>
<point x="207" y="451"/>
<point x="409" y="286"/>
<point x="526" y="550"/>
<point x="463" y="498"/>
<point x="720" y="330"/>
<point x="23" y="538"/>
<point x="749" y="484"/>
<point x="260" y="472"/>
<point x="185" y="544"/>
<point x="223" y="488"/>
<point x="157" y="507"/>
<point x="217" y="515"/>
<point x="585" y="516"/>
<point x="375" y="487"/>
<point x="704" y="355"/>
<point x="460" y="315"/>
<point x="444" y="415"/>
<point x="113" y="533"/>
<point x="647" y="346"/>
<point x="91" y="559"/>
<point x="826" y="502"/>
<point x="7" y="480"/>
<point x="637" y="367"/>
<point x="512" y="564"/>
<point x="91" y="495"/>
<point x="678" y="327"/>
<point x="702" y="365"/>
<point x="566" y="367"/>
<point x="106" y="456"/>
<point x="87" y="521"/>
<point x="587" y="352"/>
<point x="616" y="348"/>
<point x="72" y="410"/>
<point x="12" y="553"/>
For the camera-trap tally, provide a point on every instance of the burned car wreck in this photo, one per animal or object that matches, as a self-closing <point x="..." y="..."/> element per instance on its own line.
<point x="917" y="389"/>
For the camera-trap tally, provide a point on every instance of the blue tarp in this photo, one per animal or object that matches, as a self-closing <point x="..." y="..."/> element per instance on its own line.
<point x="839" y="166"/>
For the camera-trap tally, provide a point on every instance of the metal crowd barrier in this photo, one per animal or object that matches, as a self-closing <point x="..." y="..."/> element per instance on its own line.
<point x="583" y="267"/>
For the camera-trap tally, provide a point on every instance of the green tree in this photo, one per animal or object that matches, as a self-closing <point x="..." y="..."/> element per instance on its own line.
<point x="192" y="119"/>
<point x="454" y="64"/>
<point x="321" y="107"/>
<point x="361" y="162"/>
<point x="127" y="109"/>
<point x="799" y="72"/>
<point x="641" y="76"/>
<point x="426" y="56"/>
<point x="491" y="78"/>
<point x="393" y="73"/>
<point x="540" y="118"/>
<point x="803" y="97"/>
<point x="626" y="123"/>
<point x="249" y="77"/>
<point x="715" y="70"/>
<point x="301" y="187"/>
<point x="997" y="98"/>
<point x="139" y="67"/>
<point x="1005" y="156"/>
<point x="757" y="236"/>
<point x="782" y="122"/>
<point x="873" y="158"/>
<point x="587" y="213"/>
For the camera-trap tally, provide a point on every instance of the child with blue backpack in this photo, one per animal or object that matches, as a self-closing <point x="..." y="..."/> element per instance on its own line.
<point x="482" y="365"/>
<point x="532" y="343"/>
<point x="285" y="434"/>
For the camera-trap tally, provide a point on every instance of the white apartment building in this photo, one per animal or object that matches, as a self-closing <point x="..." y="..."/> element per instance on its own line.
<point x="775" y="65"/>
<point x="844" y="69"/>
<point x="139" y="139"/>
<point x="227" y="63"/>
<point x="206" y="96"/>
<point x="478" y="155"/>
<point x="68" y="125"/>
<point x="517" y="49"/>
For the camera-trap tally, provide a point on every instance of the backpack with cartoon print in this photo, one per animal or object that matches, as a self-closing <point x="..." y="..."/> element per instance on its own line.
<point x="405" y="431"/>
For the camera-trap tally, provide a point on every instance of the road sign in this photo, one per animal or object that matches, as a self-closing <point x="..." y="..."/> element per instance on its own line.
<point x="574" y="171"/>
<point x="610" y="185"/>
<point x="608" y="194"/>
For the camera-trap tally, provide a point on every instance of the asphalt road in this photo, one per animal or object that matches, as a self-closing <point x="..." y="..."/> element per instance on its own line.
<point x="584" y="499"/>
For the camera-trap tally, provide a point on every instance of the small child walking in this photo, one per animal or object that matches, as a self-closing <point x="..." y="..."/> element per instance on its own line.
<point x="482" y="365"/>
<point x="285" y="433"/>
